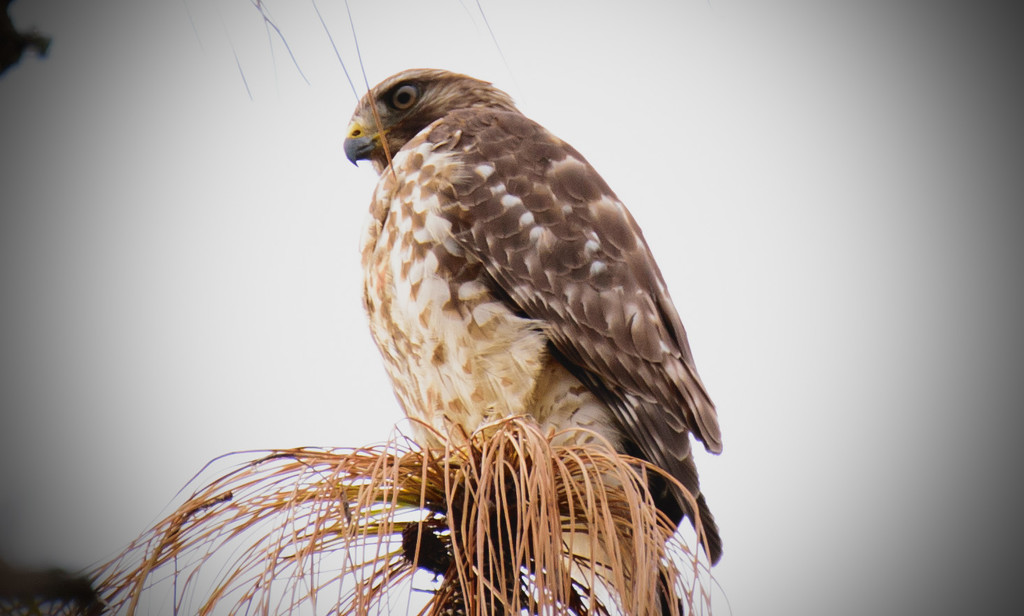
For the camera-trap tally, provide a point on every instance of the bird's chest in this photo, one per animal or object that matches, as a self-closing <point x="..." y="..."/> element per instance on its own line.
<point x="457" y="355"/>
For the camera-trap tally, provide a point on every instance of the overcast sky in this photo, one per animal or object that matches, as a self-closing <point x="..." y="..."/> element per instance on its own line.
<point x="831" y="190"/>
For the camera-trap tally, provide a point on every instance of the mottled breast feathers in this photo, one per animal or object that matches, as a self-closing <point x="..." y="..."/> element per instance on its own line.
<point x="503" y="275"/>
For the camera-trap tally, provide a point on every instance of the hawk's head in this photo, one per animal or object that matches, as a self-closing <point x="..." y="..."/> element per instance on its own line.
<point x="407" y="103"/>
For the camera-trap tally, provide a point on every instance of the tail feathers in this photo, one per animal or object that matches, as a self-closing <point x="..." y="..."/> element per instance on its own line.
<point x="708" y="531"/>
<point x="670" y="501"/>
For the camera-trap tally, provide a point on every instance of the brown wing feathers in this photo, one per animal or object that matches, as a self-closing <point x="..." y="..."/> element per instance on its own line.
<point x="557" y="243"/>
<point x="559" y="248"/>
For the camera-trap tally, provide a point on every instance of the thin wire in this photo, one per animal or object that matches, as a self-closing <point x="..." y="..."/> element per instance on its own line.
<point x="238" y="63"/>
<point x="355" y="39"/>
<point x="273" y="55"/>
<point x="270" y="22"/>
<point x="373" y="105"/>
<point x="335" y="47"/>
<point x="234" y="52"/>
<point x="193" y="24"/>
<point x="501" y="53"/>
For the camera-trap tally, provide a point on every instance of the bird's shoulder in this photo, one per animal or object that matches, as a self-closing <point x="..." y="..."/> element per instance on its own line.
<point x="560" y="247"/>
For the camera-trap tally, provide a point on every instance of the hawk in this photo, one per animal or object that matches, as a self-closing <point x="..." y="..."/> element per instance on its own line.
<point x="504" y="277"/>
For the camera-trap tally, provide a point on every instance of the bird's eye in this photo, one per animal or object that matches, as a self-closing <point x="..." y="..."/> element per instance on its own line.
<point x="404" y="97"/>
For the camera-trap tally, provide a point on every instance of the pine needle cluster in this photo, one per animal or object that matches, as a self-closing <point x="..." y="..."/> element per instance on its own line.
<point x="506" y="522"/>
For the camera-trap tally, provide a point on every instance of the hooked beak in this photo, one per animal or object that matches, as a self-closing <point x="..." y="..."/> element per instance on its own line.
<point x="359" y="143"/>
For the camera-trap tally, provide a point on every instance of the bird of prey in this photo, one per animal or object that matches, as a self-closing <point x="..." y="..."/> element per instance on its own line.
<point x="504" y="277"/>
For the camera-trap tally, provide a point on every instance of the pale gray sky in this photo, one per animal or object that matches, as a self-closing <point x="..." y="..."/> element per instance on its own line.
<point x="826" y="185"/>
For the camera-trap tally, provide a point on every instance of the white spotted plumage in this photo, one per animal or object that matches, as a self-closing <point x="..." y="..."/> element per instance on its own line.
<point x="503" y="276"/>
